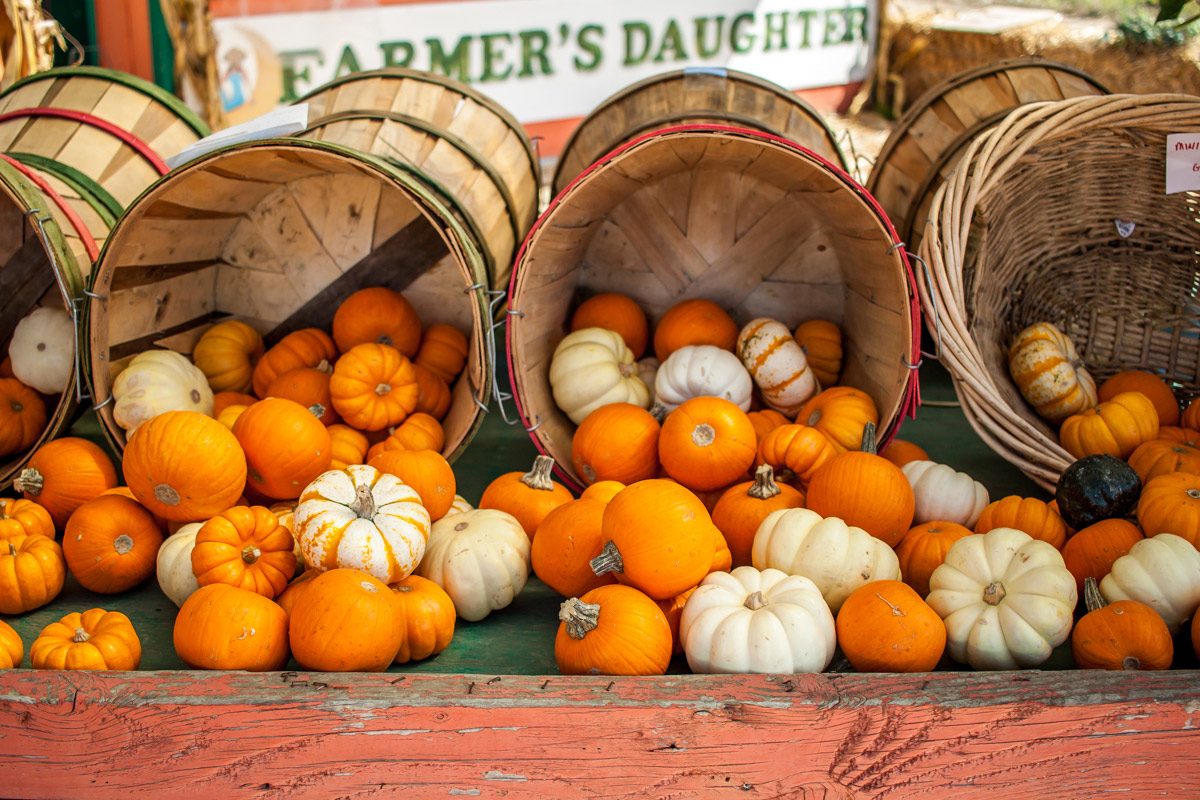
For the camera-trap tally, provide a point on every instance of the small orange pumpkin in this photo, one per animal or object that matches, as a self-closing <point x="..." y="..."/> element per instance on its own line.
<point x="1191" y="416"/>
<point x="528" y="496"/>
<point x="924" y="548"/>
<point x="672" y="607"/>
<point x="612" y="630"/>
<point x="32" y="572"/>
<point x="427" y="472"/>
<point x="568" y="539"/>
<point x="418" y="432"/>
<point x="308" y="347"/>
<point x="225" y="627"/>
<point x="615" y="312"/>
<point x="374" y="387"/>
<point x="707" y="443"/>
<point x="765" y="421"/>
<point x="821" y="342"/>
<point x="309" y="387"/>
<point x="1034" y="517"/>
<point x="428" y="614"/>
<point x="743" y="507"/>
<point x="286" y="447"/>
<point x="1124" y="635"/>
<point x="885" y="626"/>
<point x="1115" y="427"/>
<point x="345" y="621"/>
<point x="377" y="315"/>
<point x="695" y="322"/>
<point x="245" y="547"/>
<point x="1171" y="504"/>
<point x="1186" y="436"/>
<point x="1091" y="552"/>
<point x="901" y="452"/>
<point x="795" y="452"/>
<point x="619" y="442"/>
<point x="64" y="474"/>
<point x="223" y="400"/>
<point x="433" y="394"/>
<point x="227" y="354"/>
<point x="12" y="649"/>
<point x="443" y="351"/>
<point x="111" y="544"/>
<point x="602" y="491"/>
<point x="22" y="416"/>
<point x="347" y="446"/>
<point x="1152" y="386"/>
<point x="1163" y="456"/>
<point x="840" y="413"/>
<point x="23" y="517"/>
<point x="229" y="415"/>
<point x="287" y="599"/>
<point x="95" y="639"/>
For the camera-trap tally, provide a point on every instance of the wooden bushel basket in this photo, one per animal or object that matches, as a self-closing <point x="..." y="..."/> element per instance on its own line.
<point x="277" y="234"/>
<point x="934" y="132"/>
<point x="464" y="145"/>
<point x="753" y="222"/>
<point x="1059" y="214"/>
<point x="694" y="96"/>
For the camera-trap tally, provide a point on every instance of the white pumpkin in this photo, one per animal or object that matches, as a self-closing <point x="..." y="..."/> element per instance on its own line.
<point x="1162" y="572"/>
<point x="835" y="556"/>
<point x="778" y="365"/>
<point x="757" y="622"/>
<point x="943" y="494"/>
<point x="647" y="370"/>
<point x="592" y="367"/>
<point x="459" y="505"/>
<point x="174" y="568"/>
<point x="701" y="371"/>
<point x="285" y="512"/>
<point x="364" y="519"/>
<point x="155" y="382"/>
<point x="42" y="350"/>
<point x="481" y="559"/>
<point x="1007" y="599"/>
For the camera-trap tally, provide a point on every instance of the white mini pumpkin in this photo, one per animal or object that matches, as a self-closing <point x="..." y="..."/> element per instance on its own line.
<point x="1162" y="572"/>
<point x="647" y="370"/>
<point x="592" y="367"/>
<point x="155" y="382"/>
<point x="42" y="350"/>
<point x="174" y="568"/>
<point x="778" y="365"/>
<point x="943" y="494"/>
<point x="459" y="505"/>
<point x="837" y="557"/>
<point x="1007" y="599"/>
<point x="757" y="622"/>
<point x="364" y="519"/>
<point x="481" y="559"/>
<point x="701" y="371"/>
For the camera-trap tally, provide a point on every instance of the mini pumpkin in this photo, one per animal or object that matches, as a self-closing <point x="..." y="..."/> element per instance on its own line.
<point x="1187" y="436"/>
<point x="778" y="365"/>
<point x="1095" y="488"/>
<point x="64" y="474"/>
<point x="942" y="493"/>
<point x="821" y="342"/>
<point x="32" y="572"/>
<point x="174" y="564"/>
<point x="223" y="400"/>
<point x="245" y="547"/>
<point x="604" y="491"/>
<point x="286" y="447"/>
<point x="95" y="639"/>
<point x="1091" y="552"/>
<point x="707" y="443"/>
<point x="346" y="446"/>
<point x="429" y="617"/>
<point x="568" y="539"/>
<point x="612" y="630"/>
<point x="443" y="351"/>
<point x="1049" y="373"/>
<point x="591" y="368"/>
<point x="900" y="452"/>
<point x="226" y="627"/>
<point x="42" y="350"/>
<point x="527" y="496"/>
<point x="1115" y="427"/>
<point x="617" y="442"/>
<point x="309" y="387"/>
<point x="1028" y="514"/>
<point x="1171" y="504"/>
<point x="1152" y="386"/>
<point x="459" y="505"/>
<point x="22" y="416"/>
<point x="1163" y="456"/>
<point x="426" y="472"/>
<point x="12" y="649"/>
<point x="227" y="354"/>
<point x="377" y="315"/>
<point x="616" y="312"/>
<point x="1161" y="571"/>
<point x="795" y="452"/>
<point x="287" y="599"/>
<point x="743" y="507"/>
<point x="765" y="421"/>
<point x="308" y="347"/>
<point x="694" y="322"/>
<point x="373" y="387"/>
<point x="924" y="548"/>
<point x="433" y="394"/>
<point x="701" y="371"/>
<point x="23" y="517"/>
<point x="647" y="370"/>
<point x="672" y="608"/>
<point x="155" y="382"/>
<point x="885" y="626"/>
<point x="111" y="544"/>
<point x="229" y="415"/>
<point x="841" y="413"/>
<point x="345" y="621"/>
<point x="1123" y="635"/>
<point x="417" y="432"/>
<point x="481" y="559"/>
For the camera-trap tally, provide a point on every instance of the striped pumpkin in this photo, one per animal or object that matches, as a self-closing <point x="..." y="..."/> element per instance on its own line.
<point x="777" y="364"/>
<point x="1050" y="374"/>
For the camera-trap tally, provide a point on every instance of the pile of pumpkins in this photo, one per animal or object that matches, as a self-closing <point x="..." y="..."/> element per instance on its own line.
<point x="35" y="371"/>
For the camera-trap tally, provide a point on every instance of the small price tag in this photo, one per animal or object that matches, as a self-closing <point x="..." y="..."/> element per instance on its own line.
<point x="1183" y="162"/>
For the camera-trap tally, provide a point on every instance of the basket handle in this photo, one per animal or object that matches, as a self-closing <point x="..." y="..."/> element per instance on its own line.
<point x="925" y="289"/>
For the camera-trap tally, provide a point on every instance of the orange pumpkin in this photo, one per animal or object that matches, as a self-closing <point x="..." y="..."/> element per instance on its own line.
<point x="95" y="639"/>
<point x="443" y="351"/>
<point x="901" y="452"/>
<point x="1152" y="386"/>
<point x="345" y="621"/>
<point x="64" y="474"/>
<point x="1091" y="552"/>
<point x="528" y="496"/>
<point x="1190" y="418"/>
<point x="795" y="452"/>
<point x="6" y="370"/>
<point x="765" y="421"/>
<point x="223" y="400"/>
<point x="32" y="572"/>
<point x="433" y="394"/>
<point x="1115" y="427"/>
<point x="22" y="416"/>
<point x="12" y="649"/>
<point x="111" y="544"/>
<point x="418" y="432"/>
<point x="924" y="548"/>
<point x="428" y="614"/>
<point x="1124" y="635"/>
<point x="619" y="442"/>
<point x="672" y="607"/>
<point x="287" y="599"/>
<point x="743" y="507"/>
<point x="224" y="627"/>
<point x="308" y="347"/>
<point x="227" y="354"/>
<point x="1186" y="436"/>
<point x="694" y="322"/>
<point x="568" y="539"/>
<point x="612" y="630"/>
<point x="347" y="446"/>
<point x="229" y="415"/>
<point x="602" y="491"/>
<point x="840" y="413"/>
<point x="374" y="387"/>
<point x="658" y="538"/>
<point x="23" y="517"/>
<point x="1162" y="456"/>
<point x="865" y="490"/>
<point x="377" y="315"/>
<point x="286" y="447"/>
<point x="614" y="312"/>
<point x="245" y="547"/>
<point x="707" y="443"/>
<point x="885" y="626"/>
<point x="1171" y="504"/>
<point x="821" y="342"/>
<point x="1034" y="517"/>
<point x="427" y="472"/>
<point x="309" y="387"/>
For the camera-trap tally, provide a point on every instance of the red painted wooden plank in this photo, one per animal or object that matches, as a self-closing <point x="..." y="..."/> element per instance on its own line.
<point x="1007" y="735"/>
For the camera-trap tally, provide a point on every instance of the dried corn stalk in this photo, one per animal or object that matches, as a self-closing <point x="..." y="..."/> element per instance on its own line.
<point x="28" y="36"/>
<point x="190" y="26"/>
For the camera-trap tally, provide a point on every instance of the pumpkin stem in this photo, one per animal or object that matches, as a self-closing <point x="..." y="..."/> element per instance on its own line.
<point x="364" y="502"/>
<point x="658" y="411"/>
<point x="609" y="560"/>
<point x="539" y="476"/>
<point x="1194" y="494"/>
<point x="30" y="481"/>
<point x="250" y="554"/>
<point x="703" y="435"/>
<point x="896" y="610"/>
<point x="123" y="544"/>
<point x="764" y="487"/>
<point x="580" y="618"/>
<point x="384" y="339"/>
<point x="317" y="410"/>
<point x="1091" y="595"/>
<point x="755" y="601"/>
<point x="382" y="389"/>
<point x="1131" y="662"/>
<point x="17" y="406"/>
<point x="80" y="636"/>
<point x="628" y="369"/>
<point x="166" y="494"/>
<point x="868" y="439"/>
<point x="12" y="549"/>
<point x="994" y="593"/>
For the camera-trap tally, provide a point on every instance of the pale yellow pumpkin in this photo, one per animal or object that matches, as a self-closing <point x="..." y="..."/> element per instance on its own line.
<point x="593" y="367"/>
<point x="155" y="382"/>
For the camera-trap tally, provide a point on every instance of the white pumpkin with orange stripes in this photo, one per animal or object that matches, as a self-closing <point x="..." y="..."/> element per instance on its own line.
<point x="363" y="519"/>
<point x="777" y="364"/>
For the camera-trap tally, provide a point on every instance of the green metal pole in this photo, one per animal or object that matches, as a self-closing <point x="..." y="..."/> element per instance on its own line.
<point x="164" y="49"/>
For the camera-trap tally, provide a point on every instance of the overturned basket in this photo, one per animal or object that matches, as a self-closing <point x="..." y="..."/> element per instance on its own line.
<point x="1060" y="214"/>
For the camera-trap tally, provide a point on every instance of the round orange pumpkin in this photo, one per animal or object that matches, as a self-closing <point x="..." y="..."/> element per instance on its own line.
<point x="346" y="446"/>
<point x="1171" y="504"/>
<point x="1091" y="552"/>
<point x="111" y="544"/>
<point x="428" y="614"/>
<point x="288" y="597"/>
<point x="568" y="539"/>
<point x="433" y="394"/>
<point x="32" y="572"/>
<point x="418" y="432"/>
<point x="885" y="626"/>
<point x="183" y="466"/>
<point x="223" y="400"/>
<point x="900" y="452"/>
<point x="377" y="315"/>
<point x="617" y="442"/>
<point x="23" y="517"/>
<point x="286" y="447"/>
<point x="707" y="443"/>
<point x="615" y="312"/>
<point x="64" y="474"/>
<point x="528" y="496"/>
<point x="427" y="472"/>
<point x="765" y="421"/>
<point x="308" y="347"/>
<point x="743" y="507"/>
<point x="672" y="607"/>
<point x="95" y="639"/>
<point x="246" y="547"/>
<point x="602" y="491"/>
<point x="1152" y="386"/>
<point x="345" y="621"/>
<point x="795" y="452"/>
<point x="374" y="387"/>
<point x="22" y="416"/>
<point x="309" y="387"/>
<point x="224" y="627"/>
<point x="1115" y="427"/>
<point x="924" y="548"/>
<point x="227" y="354"/>
<point x="1028" y="514"/>
<point x="12" y="649"/>
<point x="1162" y="456"/>
<point x="612" y="630"/>
<point x="1190" y="418"/>
<point x="840" y="413"/>
<point x="821" y="342"/>
<point x="694" y="322"/>
<point x="443" y="351"/>
<point x="1186" y="436"/>
<point x="1124" y="635"/>
<point x="229" y="415"/>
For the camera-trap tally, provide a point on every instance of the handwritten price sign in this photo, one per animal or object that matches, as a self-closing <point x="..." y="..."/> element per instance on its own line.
<point x="1183" y="162"/>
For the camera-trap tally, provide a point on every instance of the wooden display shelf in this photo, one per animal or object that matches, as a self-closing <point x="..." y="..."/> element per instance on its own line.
<point x="491" y="716"/>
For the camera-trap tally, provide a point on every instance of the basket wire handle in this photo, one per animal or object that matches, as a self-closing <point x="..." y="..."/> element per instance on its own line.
<point x="71" y="301"/>
<point x="927" y="286"/>
<point x="497" y="299"/>
<point x="846" y="139"/>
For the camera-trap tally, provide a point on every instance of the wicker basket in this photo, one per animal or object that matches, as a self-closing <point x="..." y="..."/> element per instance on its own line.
<point x="277" y="233"/>
<point x="1025" y="230"/>
<point x="699" y="95"/>
<point x="461" y="143"/>
<point x="934" y="133"/>
<point x="755" y="223"/>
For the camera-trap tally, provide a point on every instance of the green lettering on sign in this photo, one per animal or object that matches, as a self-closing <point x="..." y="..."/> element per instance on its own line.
<point x="635" y="30"/>
<point x="672" y="42"/>
<point x="703" y="49"/>
<point x="397" y="54"/>
<point x="455" y="65"/>
<point x="588" y="40"/>
<point x="805" y="19"/>
<point x="776" y="29"/>
<point x="835" y="27"/>
<point x="292" y="73"/>
<point x="533" y="46"/>
<point x="491" y="53"/>
<point x="347" y="64"/>
<point x="741" y="42"/>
